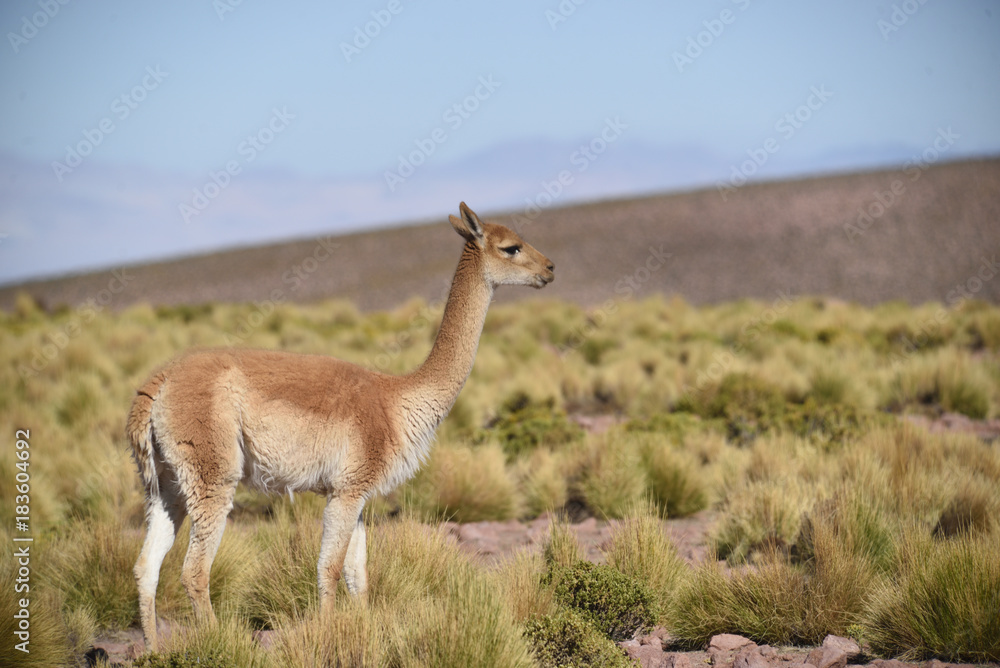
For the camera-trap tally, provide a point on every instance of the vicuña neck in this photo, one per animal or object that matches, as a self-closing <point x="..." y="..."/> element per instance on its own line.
<point x="441" y="377"/>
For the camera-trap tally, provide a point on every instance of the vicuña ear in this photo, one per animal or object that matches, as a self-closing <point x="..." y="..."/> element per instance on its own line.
<point x="468" y="225"/>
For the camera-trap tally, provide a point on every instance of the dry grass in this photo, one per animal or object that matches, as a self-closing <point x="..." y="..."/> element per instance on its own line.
<point x="817" y="510"/>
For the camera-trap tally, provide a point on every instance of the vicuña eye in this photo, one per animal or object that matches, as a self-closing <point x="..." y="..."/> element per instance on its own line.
<point x="511" y="250"/>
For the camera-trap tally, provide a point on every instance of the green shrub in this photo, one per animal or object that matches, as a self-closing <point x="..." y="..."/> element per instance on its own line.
<point x="565" y="639"/>
<point x="829" y="424"/>
<point x="523" y="425"/>
<point x="673" y="425"/>
<point x="615" y="603"/>
<point x="747" y="405"/>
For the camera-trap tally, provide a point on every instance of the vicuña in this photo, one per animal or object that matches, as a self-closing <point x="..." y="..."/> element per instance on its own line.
<point x="283" y="422"/>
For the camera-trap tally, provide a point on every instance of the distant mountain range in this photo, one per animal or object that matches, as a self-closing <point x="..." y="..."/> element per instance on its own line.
<point x="916" y="235"/>
<point x="101" y="215"/>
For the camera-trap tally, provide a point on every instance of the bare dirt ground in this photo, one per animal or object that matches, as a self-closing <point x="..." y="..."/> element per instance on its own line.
<point x="787" y="237"/>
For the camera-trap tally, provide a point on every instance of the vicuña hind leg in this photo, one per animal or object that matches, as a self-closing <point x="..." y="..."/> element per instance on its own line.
<point x="163" y="521"/>
<point x="208" y="522"/>
<point x="340" y="519"/>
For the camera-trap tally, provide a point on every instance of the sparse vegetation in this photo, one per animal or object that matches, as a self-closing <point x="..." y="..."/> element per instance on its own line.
<point x="834" y="513"/>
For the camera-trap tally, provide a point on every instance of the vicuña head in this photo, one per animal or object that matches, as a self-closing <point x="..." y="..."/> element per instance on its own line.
<point x="283" y="422"/>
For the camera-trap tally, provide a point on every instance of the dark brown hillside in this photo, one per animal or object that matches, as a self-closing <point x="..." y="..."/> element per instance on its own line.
<point x="787" y="236"/>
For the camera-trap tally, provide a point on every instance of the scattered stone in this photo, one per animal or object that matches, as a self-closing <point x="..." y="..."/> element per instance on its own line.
<point x="767" y="651"/>
<point x="935" y="663"/>
<point x="888" y="663"/>
<point x="749" y="656"/>
<point x="846" y="645"/>
<point x="647" y="656"/>
<point x="727" y="642"/>
<point x="265" y="638"/>
<point x="828" y="657"/>
<point x="677" y="661"/>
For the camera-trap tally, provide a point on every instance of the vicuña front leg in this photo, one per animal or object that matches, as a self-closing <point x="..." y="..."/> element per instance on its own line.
<point x="340" y="519"/>
<point x="356" y="562"/>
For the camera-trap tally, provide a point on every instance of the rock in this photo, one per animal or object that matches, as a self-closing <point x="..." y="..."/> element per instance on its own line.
<point x="727" y="642"/>
<point x="846" y="645"/>
<point x="749" y="657"/>
<point x="935" y="663"/>
<point x="677" y="661"/>
<point x="889" y="663"/>
<point x="647" y="656"/>
<point x="767" y="651"/>
<point x="828" y="657"/>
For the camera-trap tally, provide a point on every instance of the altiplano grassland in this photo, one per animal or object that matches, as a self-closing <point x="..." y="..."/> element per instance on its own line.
<point x="833" y="511"/>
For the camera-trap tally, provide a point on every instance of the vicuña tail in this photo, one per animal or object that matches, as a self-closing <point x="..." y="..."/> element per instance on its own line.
<point x="139" y="431"/>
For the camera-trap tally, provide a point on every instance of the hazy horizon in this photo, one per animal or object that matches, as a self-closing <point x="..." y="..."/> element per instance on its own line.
<point x="122" y="143"/>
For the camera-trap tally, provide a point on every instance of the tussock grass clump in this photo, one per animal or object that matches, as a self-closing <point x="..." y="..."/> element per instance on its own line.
<point x="562" y="548"/>
<point x="281" y="582"/>
<point x="519" y="581"/>
<point x="92" y="567"/>
<point x="641" y="550"/>
<point x="444" y="634"/>
<point x="47" y="640"/>
<point x="674" y="480"/>
<point x="766" y="604"/>
<point x="564" y="639"/>
<point x="352" y="635"/>
<point x="776" y="602"/>
<point x="464" y="484"/>
<point x="408" y="560"/>
<point x="228" y="644"/>
<point x="759" y="516"/>
<point x="614" y="477"/>
<point x="944" y="603"/>
<point x="543" y="481"/>
<point x="947" y="378"/>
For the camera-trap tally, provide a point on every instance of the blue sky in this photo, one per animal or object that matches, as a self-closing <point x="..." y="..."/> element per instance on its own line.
<point x="270" y="121"/>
